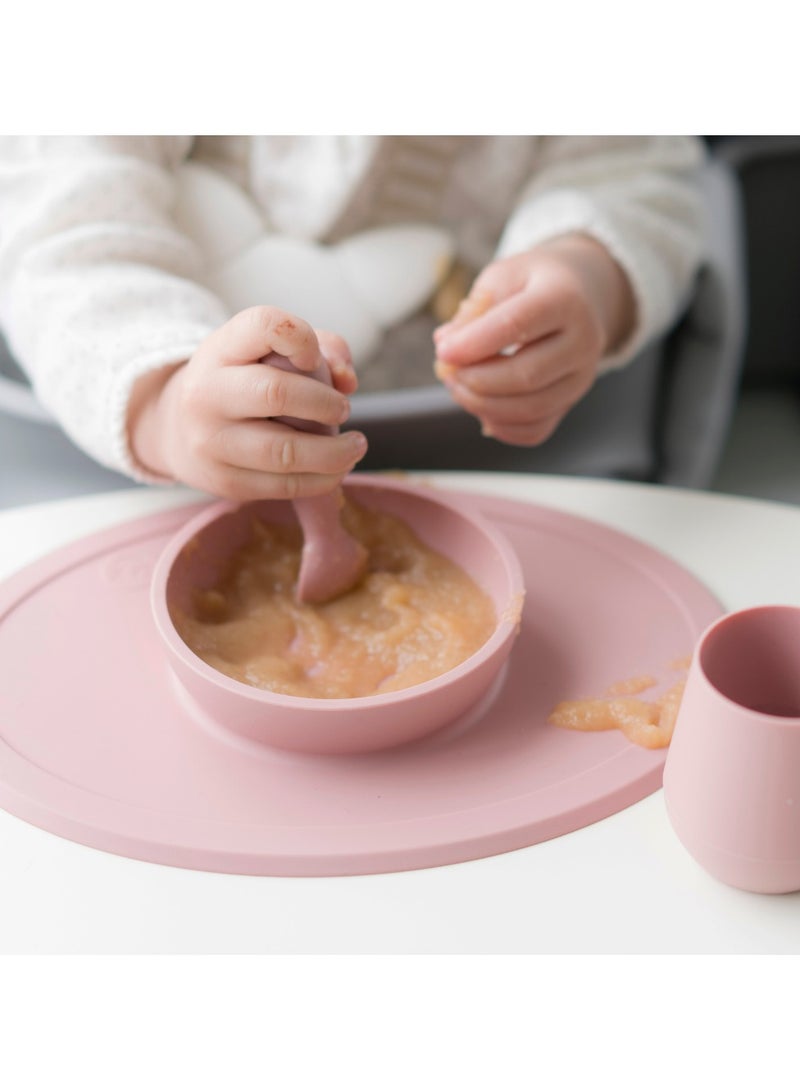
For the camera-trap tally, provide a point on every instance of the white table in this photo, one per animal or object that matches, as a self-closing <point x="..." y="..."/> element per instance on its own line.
<point x="623" y="885"/>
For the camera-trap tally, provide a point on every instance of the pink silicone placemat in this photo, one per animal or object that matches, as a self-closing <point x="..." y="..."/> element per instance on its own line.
<point x="97" y="745"/>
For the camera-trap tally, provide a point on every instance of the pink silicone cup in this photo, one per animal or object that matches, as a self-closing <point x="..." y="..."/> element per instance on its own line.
<point x="194" y="558"/>
<point x="732" y="775"/>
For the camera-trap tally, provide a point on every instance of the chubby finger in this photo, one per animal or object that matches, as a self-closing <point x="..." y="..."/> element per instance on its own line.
<point x="497" y="281"/>
<point x="340" y="360"/>
<point x="522" y="435"/>
<point x="530" y="367"/>
<point x="520" y="409"/>
<point x="270" y="447"/>
<point x="236" y="483"/>
<point x="258" y="331"/>
<point x="478" y="302"/>
<point x="260" y="390"/>
<point x="514" y="321"/>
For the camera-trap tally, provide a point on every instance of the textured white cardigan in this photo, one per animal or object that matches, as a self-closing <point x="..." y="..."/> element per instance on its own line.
<point x="99" y="286"/>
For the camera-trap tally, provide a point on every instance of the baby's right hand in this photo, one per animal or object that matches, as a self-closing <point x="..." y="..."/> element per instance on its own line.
<point x="208" y="422"/>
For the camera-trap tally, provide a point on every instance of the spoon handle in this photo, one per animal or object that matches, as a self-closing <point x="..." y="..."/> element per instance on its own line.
<point x="332" y="562"/>
<point x="322" y="374"/>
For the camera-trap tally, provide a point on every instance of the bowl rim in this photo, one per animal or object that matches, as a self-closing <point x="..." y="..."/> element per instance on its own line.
<point x="507" y="624"/>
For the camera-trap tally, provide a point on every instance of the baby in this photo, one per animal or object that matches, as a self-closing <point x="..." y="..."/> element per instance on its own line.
<point x="582" y="249"/>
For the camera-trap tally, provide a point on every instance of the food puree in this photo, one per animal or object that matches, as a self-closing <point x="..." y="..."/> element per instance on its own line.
<point x="646" y="723"/>
<point x="414" y="616"/>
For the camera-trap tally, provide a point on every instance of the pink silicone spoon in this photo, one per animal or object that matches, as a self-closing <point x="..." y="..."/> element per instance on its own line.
<point x="332" y="562"/>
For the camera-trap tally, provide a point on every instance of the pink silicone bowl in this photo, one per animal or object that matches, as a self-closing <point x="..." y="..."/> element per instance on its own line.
<point x="362" y="724"/>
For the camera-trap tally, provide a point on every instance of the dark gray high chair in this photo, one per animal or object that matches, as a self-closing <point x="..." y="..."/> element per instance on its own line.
<point x="762" y="457"/>
<point x="662" y="418"/>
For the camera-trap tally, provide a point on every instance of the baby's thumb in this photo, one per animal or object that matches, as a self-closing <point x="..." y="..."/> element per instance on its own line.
<point x="336" y="352"/>
<point x="478" y="302"/>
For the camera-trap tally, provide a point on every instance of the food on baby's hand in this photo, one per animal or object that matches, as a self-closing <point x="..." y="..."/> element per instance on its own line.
<point x="469" y="308"/>
<point x="451" y="293"/>
<point x="414" y="616"/>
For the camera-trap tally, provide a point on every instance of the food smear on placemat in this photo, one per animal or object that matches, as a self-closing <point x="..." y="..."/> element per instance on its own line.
<point x="648" y="723"/>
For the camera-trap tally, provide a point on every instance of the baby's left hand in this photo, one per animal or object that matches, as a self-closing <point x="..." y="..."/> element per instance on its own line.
<point x="561" y="307"/>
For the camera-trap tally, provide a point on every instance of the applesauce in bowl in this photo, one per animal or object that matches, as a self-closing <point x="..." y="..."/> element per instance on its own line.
<point x="411" y="648"/>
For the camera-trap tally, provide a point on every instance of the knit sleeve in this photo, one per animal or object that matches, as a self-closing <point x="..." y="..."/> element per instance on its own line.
<point x="639" y="197"/>
<point x="97" y="285"/>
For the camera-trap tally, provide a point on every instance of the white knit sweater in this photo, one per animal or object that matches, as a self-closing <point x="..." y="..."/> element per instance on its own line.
<point x="98" y="285"/>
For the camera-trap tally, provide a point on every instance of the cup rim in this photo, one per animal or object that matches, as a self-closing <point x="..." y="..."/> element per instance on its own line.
<point x="730" y="618"/>
<point x="507" y="623"/>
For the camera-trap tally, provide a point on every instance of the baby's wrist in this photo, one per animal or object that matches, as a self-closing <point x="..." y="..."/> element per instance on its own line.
<point x="148" y="411"/>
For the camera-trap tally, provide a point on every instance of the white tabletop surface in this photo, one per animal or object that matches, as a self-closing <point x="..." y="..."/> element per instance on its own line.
<point x="622" y="885"/>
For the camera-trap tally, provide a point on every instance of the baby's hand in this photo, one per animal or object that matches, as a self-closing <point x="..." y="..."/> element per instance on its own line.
<point x="208" y="423"/>
<point x="525" y="346"/>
